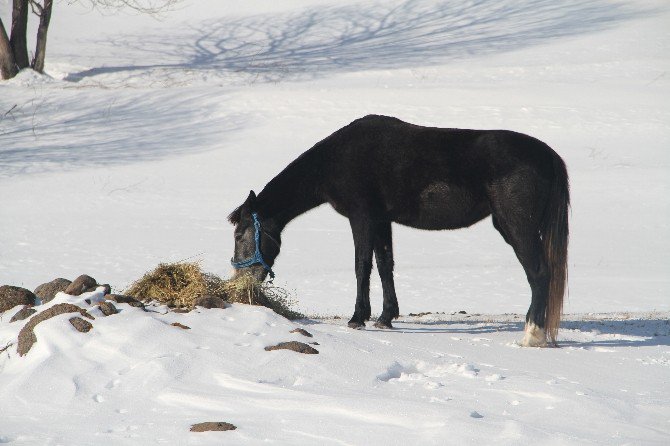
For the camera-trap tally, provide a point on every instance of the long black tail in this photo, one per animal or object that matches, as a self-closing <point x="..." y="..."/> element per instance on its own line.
<point x="555" y="235"/>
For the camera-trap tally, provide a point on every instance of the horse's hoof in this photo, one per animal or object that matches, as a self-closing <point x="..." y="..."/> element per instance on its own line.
<point x="534" y="336"/>
<point x="383" y="325"/>
<point x="356" y="325"/>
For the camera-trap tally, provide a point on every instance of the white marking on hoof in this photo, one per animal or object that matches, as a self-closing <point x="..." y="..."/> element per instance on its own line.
<point x="534" y="336"/>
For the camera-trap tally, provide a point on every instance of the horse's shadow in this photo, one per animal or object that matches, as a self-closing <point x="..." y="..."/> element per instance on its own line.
<point x="620" y="333"/>
<point x="607" y="333"/>
<point x="323" y="40"/>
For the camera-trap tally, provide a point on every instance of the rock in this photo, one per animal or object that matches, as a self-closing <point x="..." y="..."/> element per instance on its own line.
<point x="27" y="336"/>
<point x="121" y="299"/>
<point x="423" y="313"/>
<point x="81" y="284"/>
<point x="107" y="308"/>
<point x="302" y="331"/>
<point x="210" y="302"/>
<point x="213" y="426"/>
<point x="80" y="324"/>
<point x="24" y="313"/>
<point x="11" y="296"/>
<point x="296" y="346"/>
<point x="182" y="326"/>
<point x="47" y="291"/>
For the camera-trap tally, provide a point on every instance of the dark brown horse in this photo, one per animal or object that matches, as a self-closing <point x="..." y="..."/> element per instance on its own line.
<point x="379" y="170"/>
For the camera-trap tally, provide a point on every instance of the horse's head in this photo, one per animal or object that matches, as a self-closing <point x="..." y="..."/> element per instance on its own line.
<point x="257" y="241"/>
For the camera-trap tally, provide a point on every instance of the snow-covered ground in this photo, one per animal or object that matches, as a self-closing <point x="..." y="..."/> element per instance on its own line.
<point x="147" y="133"/>
<point x="434" y="380"/>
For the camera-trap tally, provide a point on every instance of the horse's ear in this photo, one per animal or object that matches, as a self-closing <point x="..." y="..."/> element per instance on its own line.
<point x="251" y="201"/>
<point x="252" y="197"/>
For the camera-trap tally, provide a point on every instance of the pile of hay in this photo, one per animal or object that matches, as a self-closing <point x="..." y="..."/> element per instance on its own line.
<point x="181" y="284"/>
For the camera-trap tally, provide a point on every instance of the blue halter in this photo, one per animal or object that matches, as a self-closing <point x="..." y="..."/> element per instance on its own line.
<point x="258" y="257"/>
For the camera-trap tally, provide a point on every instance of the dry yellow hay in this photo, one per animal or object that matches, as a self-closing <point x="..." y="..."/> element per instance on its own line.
<point x="181" y="284"/>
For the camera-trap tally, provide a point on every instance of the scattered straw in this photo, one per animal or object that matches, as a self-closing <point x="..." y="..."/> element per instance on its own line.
<point x="247" y="290"/>
<point x="181" y="284"/>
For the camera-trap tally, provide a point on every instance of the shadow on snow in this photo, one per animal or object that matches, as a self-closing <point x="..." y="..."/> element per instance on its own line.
<point x="324" y="40"/>
<point x="65" y="132"/>
<point x="610" y="333"/>
<point x="273" y="47"/>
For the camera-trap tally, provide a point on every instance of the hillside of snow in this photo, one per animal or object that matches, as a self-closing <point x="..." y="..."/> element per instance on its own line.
<point x="144" y="134"/>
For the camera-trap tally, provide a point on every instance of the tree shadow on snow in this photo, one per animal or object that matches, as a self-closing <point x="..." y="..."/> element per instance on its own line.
<point x="324" y="40"/>
<point x="104" y="131"/>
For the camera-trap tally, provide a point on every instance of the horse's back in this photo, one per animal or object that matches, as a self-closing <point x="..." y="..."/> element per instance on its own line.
<point x="481" y="152"/>
<point x="428" y="177"/>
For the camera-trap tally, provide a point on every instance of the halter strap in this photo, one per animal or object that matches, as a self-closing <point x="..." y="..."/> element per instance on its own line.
<point x="258" y="256"/>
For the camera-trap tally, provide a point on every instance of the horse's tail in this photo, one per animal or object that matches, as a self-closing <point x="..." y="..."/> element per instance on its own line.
<point x="555" y="236"/>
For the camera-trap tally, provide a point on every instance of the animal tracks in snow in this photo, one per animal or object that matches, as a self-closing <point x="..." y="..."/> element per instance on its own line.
<point x="432" y="375"/>
<point x="442" y="382"/>
<point x="113" y="384"/>
<point x="494" y="377"/>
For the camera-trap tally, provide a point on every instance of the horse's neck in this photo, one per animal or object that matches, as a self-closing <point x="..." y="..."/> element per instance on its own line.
<point x="293" y="192"/>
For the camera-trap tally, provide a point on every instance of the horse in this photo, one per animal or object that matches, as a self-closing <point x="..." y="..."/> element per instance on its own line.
<point x="379" y="170"/>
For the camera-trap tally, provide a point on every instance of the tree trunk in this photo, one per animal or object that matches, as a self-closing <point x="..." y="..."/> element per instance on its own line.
<point x="41" y="49"/>
<point x="17" y="35"/>
<point x="7" y="65"/>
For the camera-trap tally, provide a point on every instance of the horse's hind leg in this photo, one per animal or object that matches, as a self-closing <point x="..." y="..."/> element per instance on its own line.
<point x="383" y="248"/>
<point x="529" y="250"/>
<point x="361" y="228"/>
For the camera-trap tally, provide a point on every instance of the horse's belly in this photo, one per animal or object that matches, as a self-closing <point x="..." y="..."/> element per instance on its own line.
<point x="444" y="206"/>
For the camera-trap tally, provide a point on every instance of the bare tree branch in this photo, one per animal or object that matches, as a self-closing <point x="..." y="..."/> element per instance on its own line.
<point x="13" y="51"/>
<point x="8" y="112"/>
<point x="36" y="7"/>
<point x="144" y="6"/>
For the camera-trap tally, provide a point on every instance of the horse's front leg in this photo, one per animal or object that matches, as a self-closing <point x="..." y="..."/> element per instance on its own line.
<point x="362" y="232"/>
<point x="383" y="248"/>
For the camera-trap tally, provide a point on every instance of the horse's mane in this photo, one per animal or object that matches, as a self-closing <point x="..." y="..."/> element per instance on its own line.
<point x="234" y="217"/>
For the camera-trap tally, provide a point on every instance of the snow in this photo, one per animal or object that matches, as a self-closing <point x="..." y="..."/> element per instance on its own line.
<point x="136" y="379"/>
<point x="145" y="134"/>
